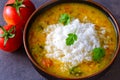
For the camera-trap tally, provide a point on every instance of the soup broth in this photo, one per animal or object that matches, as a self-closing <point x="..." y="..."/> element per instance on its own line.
<point x="86" y="14"/>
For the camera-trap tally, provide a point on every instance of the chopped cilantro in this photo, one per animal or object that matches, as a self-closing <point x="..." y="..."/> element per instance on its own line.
<point x="64" y="18"/>
<point x="72" y="37"/>
<point x="98" y="54"/>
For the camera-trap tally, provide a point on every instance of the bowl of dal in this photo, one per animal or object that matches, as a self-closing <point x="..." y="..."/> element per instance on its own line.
<point x="71" y="39"/>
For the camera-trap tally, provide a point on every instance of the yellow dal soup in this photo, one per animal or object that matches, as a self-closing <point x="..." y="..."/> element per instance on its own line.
<point x="99" y="56"/>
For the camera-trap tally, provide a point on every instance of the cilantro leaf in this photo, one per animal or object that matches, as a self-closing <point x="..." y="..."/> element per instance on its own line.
<point x="71" y="39"/>
<point x="98" y="54"/>
<point x="64" y="18"/>
<point x="75" y="71"/>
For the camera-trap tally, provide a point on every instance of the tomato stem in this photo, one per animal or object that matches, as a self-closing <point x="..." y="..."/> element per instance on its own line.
<point x="17" y="5"/>
<point x="7" y="34"/>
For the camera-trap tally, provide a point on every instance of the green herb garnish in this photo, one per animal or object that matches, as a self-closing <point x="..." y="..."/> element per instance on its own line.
<point x="72" y="37"/>
<point x="98" y="54"/>
<point x="65" y="19"/>
<point x="75" y="71"/>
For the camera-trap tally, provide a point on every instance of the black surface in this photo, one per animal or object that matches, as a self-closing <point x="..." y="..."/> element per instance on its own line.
<point x="16" y="66"/>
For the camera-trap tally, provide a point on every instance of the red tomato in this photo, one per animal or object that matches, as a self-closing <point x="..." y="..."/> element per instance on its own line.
<point x="47" y="62"/>
<point x="18" y="11"/>
<point x="10" y="38"/>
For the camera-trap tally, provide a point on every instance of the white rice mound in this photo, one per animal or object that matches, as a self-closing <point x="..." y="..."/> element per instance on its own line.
<point x="78" y="52"/>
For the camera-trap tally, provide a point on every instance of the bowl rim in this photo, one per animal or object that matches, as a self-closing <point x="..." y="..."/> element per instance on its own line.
<point x="116" y="26"/>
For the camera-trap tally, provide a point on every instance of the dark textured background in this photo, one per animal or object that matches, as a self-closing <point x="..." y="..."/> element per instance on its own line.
<point x="17" y="66"/>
